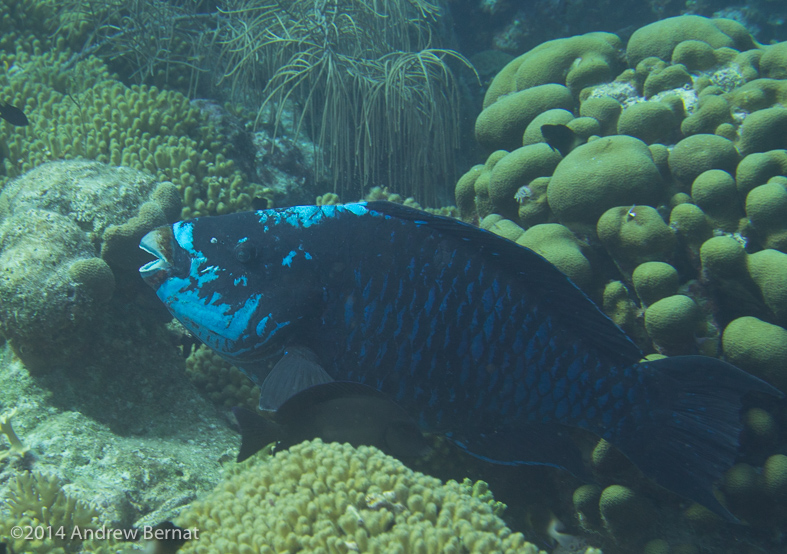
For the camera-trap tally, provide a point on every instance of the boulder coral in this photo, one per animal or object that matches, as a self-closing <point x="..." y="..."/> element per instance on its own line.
<point x="660" y="39"/>
<point x="670" y="211"/>
<point x="69" y="232"/>
<point x="604" y="173"/>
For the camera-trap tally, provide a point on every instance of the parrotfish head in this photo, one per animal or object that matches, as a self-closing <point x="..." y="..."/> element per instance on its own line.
<point x="239" y="282"/>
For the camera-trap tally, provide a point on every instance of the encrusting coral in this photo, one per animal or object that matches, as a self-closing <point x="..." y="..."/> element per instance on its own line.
<point x="320" y="498"/>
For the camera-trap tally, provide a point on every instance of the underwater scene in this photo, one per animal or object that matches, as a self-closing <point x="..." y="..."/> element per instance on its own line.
<point x="393" y="276"/>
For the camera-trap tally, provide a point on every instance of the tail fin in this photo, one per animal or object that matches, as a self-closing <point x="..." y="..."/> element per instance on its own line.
<point x="685" y="433"/>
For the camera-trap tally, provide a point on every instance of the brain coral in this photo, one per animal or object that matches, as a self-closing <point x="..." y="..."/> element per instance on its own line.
<point x="69" y="233"/>
<point x="318" y="497"/>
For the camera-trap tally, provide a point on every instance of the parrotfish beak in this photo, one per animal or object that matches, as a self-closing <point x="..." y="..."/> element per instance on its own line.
<point x="161" y="243"/>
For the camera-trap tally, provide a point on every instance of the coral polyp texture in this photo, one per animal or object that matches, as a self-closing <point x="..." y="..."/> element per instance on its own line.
<point x="329" y="497"/>
<point x="77" y="109"/>
<point x="38" y="500"/>
<point x="668" y="205"/>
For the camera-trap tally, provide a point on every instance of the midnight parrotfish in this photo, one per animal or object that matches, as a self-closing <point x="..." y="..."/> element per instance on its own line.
<point x="471" y="335"/>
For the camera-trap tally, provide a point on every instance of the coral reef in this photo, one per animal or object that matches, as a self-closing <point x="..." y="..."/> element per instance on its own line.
<point x="319" y="497"/>
<point x="376" y="85"/>
<point x="37" y="501"/>
<point x="670" y="213"/>
<point x="223" y="383"/>
<point x="69" y="232"/>
<point x="76" y="109"/>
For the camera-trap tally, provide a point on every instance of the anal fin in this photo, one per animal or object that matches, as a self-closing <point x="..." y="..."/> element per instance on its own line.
<point x="543" y="444"/>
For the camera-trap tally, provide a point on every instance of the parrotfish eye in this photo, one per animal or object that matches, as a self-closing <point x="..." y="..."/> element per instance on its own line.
<point x="245" y="252"/>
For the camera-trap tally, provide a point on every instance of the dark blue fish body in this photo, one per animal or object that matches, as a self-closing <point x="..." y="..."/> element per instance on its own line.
<point x="472" y="335"/>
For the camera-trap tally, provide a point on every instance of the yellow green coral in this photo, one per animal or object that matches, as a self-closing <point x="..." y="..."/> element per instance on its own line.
<point x="679" y="190"/>
<point x="319" y="497"/>
<point x="223" y="383"/>
<point x="38" y="501"/>
<point x="76" y="109"/>
<point x="16" y="446"/>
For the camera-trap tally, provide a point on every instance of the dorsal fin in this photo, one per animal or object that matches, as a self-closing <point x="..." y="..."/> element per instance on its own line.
<point x="570" y="304"/>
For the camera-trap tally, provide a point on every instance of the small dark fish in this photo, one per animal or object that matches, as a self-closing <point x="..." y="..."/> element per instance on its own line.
<point x="259" y="203"/>
<point x="470" y="334"/>
<point x="333" y="411"/>
<point x="13" y="115"/>
<point x="168" y="538"/>
<point x="188" y="342"/>
<point x="560" y="138"/>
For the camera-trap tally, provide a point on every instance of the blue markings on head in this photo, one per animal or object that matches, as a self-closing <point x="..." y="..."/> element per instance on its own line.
<point x="266" y="328"/>
<point x="207" y="274"/>
<point x="303" y="217"/>
<point x="287" y="260"/>
<point x="219" y="325"/>
<point x="184" y="235"/>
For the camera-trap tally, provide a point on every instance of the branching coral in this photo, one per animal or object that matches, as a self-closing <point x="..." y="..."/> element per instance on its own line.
<point x="17" y="447"/>
<point x="37" y="501"/>
<point x="318" y="497"/>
